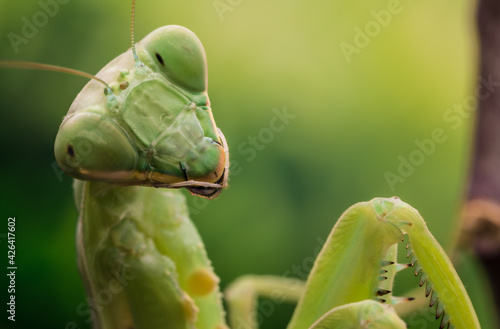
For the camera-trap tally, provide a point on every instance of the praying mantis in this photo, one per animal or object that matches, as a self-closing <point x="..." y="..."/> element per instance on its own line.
<point x="150" y="125"/>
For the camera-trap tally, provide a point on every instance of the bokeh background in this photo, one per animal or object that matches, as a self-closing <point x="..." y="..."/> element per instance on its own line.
<point x="354" y="119"/>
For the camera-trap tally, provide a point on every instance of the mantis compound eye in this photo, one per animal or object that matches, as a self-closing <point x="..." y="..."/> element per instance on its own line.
<point x="89" y="146"/>
<point x="177" y="53"/>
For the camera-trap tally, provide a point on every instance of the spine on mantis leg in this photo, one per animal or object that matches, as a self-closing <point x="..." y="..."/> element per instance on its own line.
<point x="442" y="283"/>
<point x="143" y="261"/>
<point x="350" y="266"/>
<point x="357" y="264"/>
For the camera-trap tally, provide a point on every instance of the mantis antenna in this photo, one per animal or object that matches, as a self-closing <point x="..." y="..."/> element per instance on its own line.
<point x="48" y="67"/>
<point x="138" y="62"/>
<point x="55" y="68"/>
<point x="111" y="98"/>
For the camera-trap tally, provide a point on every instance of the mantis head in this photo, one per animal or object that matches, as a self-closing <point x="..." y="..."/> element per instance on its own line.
<point x="153" y="125"/>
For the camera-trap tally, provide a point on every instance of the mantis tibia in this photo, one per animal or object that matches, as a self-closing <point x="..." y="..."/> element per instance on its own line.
<point x="357" y="266"/>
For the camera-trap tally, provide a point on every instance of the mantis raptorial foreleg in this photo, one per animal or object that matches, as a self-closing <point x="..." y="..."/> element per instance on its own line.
<point x="356" y="268"/>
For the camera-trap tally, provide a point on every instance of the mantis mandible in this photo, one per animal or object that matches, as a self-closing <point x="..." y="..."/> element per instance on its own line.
<point x="145" y="121"/>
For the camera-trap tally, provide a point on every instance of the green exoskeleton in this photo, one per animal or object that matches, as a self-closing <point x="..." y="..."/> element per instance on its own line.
<point x="152" y="127"/>
<point x="351" y="281"/>
<point x="141" y="129"/>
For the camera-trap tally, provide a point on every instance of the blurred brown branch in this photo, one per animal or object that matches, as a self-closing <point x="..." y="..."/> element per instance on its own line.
<point x="481" y="212"/>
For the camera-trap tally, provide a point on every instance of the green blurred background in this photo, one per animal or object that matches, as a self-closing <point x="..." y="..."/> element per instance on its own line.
<point x="352" y="123"/>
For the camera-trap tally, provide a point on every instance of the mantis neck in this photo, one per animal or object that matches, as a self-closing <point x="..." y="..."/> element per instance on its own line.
<point x="142" y="260"/>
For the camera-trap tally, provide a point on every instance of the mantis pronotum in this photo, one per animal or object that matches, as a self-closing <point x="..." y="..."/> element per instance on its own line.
<point x="150" y="125"/>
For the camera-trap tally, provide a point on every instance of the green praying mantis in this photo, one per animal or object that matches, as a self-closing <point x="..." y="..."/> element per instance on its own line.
<point x="141" y="129"/>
